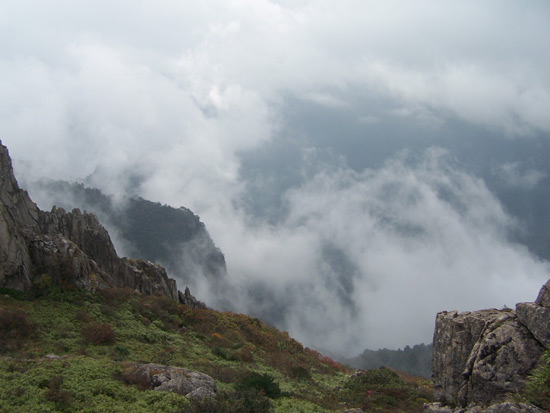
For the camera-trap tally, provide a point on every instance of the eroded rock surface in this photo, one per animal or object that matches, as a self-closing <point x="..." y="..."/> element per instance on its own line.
<point x="482" y="357"/>
<point x="187" y="299"/>
<point x="16" y="212"/>
<point x="506" y="407"/>
<point x="38" y="246"/>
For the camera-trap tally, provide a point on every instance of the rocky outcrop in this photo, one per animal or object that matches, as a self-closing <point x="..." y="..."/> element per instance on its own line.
<point x="536" y="316"/>
<point x="17" y="211"/>
<point x="188" y="383"/>
<point x="480" y="358"/>
<point x="176" y="237"/>
<point x="38" y="246"/>
<point x="85" y="231"/>
<point x="187" y="299"/>
<point x="506" y="407"/>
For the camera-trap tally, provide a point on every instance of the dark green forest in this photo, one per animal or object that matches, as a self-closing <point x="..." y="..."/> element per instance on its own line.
<point x="416" y="360"/>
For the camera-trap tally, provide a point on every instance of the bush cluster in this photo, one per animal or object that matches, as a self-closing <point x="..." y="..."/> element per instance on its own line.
<point x="135" y="376"/>
<point x="248" y="401"/>
<point x="261" y="383"/>
<point x="383" y="388"/>
<point x="14" y="328"/>
<point x="98" y="333"/>
<point x="55" y="394"/>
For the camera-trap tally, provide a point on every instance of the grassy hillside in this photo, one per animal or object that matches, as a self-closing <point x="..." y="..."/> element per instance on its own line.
<point x="96" y="336"/>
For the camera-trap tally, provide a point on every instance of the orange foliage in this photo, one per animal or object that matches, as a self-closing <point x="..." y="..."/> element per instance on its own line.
<point x="327" y="361"/>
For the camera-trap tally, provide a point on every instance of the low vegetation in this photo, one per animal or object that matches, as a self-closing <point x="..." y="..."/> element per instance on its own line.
<point x="537" y="390"/>
<point x="94" y="337"/>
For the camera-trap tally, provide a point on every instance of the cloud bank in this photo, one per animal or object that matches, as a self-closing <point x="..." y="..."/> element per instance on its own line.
<point x="367" y="259"/>
<point x="167" y="99"/>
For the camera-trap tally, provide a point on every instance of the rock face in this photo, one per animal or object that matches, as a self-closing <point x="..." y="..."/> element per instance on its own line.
<point x="159" y="233"/>
<point x="191" y="384"/>
<point x="506" y="407"/>
<point x="190" y="301"/>
<point x="38" y="246"/>
<point x="17" y="212"/>
<point x="481" y="357"/>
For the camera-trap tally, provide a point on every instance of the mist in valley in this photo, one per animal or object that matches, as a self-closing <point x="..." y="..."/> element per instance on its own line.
<point x="362" y="165"/>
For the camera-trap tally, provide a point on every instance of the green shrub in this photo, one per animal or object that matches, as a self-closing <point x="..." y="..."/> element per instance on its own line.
<point x="383" y="388"/>
<point x="18" y="295"/>
<point x="247" y="401"/>
<point x="300" y="373"/>
<point x="260" y="382"/>
<point x="55" y="394"/>
<point x="537" y="389"/>
<point x="121" y="351"/>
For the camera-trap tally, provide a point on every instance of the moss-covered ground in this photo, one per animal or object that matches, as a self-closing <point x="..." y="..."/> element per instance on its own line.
<point x="256" y="367"/>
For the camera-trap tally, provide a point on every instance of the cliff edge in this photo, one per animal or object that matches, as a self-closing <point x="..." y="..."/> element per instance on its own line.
<point x="38" y="247"/>
<point x="482" y="358"/>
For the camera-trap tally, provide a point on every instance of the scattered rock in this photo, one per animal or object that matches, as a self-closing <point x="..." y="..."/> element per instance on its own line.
<point x="505" y="407"/>
<point x="53" y="357"/>
<point x="513" y="408"/>
<point x="437" y="408"/>
<point x="188" y="383"/>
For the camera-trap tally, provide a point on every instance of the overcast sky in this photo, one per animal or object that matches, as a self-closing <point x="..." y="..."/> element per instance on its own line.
<point x="346" y="156"/>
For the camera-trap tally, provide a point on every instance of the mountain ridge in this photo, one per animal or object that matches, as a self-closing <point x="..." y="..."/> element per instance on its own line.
<point x="175" y="238"/>
<point x="38" y="247"/>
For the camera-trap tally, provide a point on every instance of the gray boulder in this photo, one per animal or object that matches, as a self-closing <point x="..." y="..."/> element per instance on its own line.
<point x="536" y="319"/>
<point x="188" y="383"/>
<point x="481" y="358"/>
<point x="506" y="407"/>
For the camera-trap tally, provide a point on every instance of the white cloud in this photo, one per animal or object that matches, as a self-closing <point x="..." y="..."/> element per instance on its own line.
<point x="172" y="93"/>
<point x="423" y="237"/>
<point x="515" y="175"/>
<point x="325" y="99"/>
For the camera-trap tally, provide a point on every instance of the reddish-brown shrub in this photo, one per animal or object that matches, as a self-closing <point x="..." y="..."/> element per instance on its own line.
<point x="98" y="334"/>
<point x="83" y="317"/>
<point x="159" y="307"/>
<point x="136" y="376"/>
<point x="14" y="328"/>
<point x="54" y="392"/>
<point x="327" y="361"/>
<point x="115" y="296"/>
<point x="244" y="355"/>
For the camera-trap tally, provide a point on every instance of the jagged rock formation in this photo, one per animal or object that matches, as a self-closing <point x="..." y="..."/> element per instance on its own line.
<point x="175" y="237"/>
<point x="38" y="246"/>
<point x="482" y="357"/>
<point x="188" y="383"/>
<point x="17" y="212"/>
<point x="190" y="301"/>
